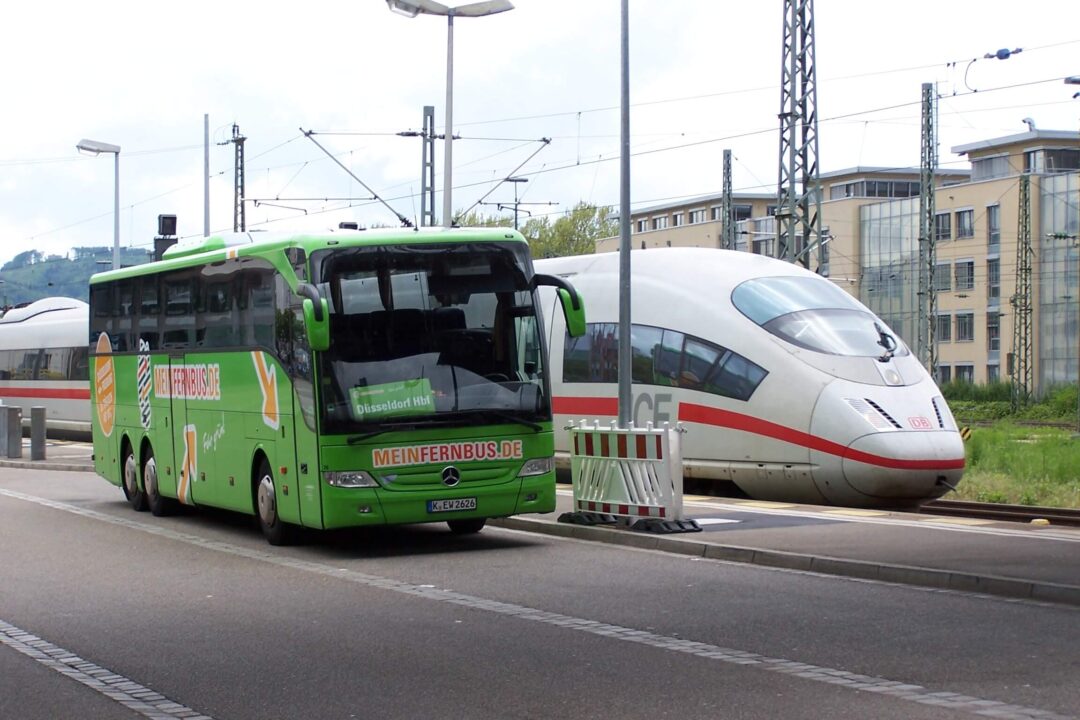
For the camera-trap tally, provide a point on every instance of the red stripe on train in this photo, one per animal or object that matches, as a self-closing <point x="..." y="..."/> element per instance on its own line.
<point x="51" y="393"/>
<point x="690" y="412"/>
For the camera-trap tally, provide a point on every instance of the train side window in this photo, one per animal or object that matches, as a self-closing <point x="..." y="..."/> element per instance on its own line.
<point x="594" y="356"/>
<point x="736" y="378"/>
<point x="668" y="357"/>
<point x="644" y="344"/>
<point x="699" y="357"/>
<point x="78" y="368"/>
<point x="5" y="365"/>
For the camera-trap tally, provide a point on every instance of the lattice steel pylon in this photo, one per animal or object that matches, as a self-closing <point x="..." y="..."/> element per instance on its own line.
<point x="427" y="169"/>
<point x="925" y="327"/>
<point x="239" y="218"/>
<point x="798" y="197"/>
<point x="727" y="230"/>
<point x="1023" y="375"/>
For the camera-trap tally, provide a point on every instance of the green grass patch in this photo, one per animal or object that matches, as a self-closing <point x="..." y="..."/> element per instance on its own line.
<point x="1007" y="463"/>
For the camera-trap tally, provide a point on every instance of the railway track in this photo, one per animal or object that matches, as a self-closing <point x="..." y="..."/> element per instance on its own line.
<point x="997" y="511"/>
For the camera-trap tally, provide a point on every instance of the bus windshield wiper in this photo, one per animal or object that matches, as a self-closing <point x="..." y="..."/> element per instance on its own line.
<point x="502" y="415"/>
<point x="886" y="341"/>
<point x="385" y="427"/>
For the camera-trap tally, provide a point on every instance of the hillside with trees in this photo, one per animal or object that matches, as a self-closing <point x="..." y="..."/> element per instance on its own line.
<point x="31" y="275"/>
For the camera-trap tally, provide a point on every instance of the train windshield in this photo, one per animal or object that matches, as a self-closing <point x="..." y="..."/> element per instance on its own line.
<point x="429" y="335"/>
<point x="817" y="315"/>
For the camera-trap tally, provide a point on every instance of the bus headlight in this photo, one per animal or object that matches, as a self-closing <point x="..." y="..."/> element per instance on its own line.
<point x="537" y="466"/>
<point x="350" y="479"/>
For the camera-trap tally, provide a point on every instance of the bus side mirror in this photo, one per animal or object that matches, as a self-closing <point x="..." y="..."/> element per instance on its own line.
<point x="573" y="312"/>
<point x="316" y="317"/>
<point x="572" y="305"/>
<point x="317" y="324"/>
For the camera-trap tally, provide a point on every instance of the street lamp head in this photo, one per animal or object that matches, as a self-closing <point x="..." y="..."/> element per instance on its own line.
<point x="93" y="147"/>
<point x="412" y="8"/>
<point x="1072" y="80"/>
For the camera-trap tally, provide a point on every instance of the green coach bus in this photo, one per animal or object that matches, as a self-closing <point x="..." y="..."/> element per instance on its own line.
<point x="345" y="379"/>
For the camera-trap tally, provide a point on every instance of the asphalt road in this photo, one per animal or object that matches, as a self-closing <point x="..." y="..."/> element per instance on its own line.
<point x="108" y="613"/>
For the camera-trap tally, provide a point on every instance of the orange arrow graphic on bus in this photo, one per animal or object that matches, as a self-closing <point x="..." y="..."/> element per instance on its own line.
<point x="267" y="375"/>
<point x="189" y="465"/>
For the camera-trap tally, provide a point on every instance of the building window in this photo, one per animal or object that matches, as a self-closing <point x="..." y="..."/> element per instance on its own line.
<point x="943" y="328"/>
<point x="944" y="374"/>
<point x="943" y="226"/>
<point x="993" y="225"/>
<point x="993" y="373"/>
<point x="965" y="330"/>
<point x="993" y="331"/>
<point x="943" y="277"/>
<point x="660" y="223"/>
<point x="677" y="220"/>
<point x="965" y="373"/>
<point x="993" y="278"/>
<point x="991" y="167"/>
<point x="716" y="212"/>
<point x="697" y="216"/>
<point x="965" y="274"/>
<point x="642" y="225"/>
<point x="741" y="212"/>
<point x="965" y="226"/>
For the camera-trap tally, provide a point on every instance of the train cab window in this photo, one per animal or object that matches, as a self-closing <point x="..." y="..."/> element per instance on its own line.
<point x="815" y="314"/>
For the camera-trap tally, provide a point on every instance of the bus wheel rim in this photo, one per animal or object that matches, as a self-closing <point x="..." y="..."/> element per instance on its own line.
<point x="267" y="507"/>
<point x="131" y="479"/>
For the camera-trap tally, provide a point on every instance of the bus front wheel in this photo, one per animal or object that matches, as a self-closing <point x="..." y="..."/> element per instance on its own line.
<point x="466" y="527"/>
<point x="132" y="491"/>
<point x="274" y="529"/>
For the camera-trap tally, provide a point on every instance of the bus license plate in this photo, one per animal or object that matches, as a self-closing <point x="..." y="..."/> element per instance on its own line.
<point x="451" y="505"/>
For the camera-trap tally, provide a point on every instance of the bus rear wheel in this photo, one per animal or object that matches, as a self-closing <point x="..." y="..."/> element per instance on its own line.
<point x="132" y="491"/>
<point x="466" y="527"/>
<point x="159" y="506"/>
<point x="274" y="529"/>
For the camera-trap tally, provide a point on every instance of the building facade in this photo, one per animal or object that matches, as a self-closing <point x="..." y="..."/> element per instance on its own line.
<point x="870" y="218"/>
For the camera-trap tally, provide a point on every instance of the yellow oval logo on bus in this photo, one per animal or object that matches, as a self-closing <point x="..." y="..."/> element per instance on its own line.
<point x="105" y="385"/>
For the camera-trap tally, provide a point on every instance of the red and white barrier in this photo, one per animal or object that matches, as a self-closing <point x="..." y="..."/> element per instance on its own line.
<point x="633" y="473"/>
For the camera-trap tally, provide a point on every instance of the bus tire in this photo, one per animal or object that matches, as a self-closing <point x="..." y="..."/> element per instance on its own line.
<point x="134" y="494"/>
<point x="466" y="527"/>
<point x="274" y="529"/>
<point x="159" y="506"/>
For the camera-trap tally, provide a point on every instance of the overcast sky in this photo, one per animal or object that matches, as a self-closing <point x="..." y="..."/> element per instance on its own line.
<point x="704" y="78"/>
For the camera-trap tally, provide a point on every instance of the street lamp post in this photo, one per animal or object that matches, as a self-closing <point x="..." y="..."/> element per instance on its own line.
<point x="93" y="147"/>
<point x="412" y="8"/>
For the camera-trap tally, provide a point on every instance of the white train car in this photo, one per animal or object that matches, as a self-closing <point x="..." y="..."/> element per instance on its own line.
<point x="788" y="386"/>
<point x="44" y="362"/>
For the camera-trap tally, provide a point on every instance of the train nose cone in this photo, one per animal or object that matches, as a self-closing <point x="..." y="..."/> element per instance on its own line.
<point x="905" y="465"/>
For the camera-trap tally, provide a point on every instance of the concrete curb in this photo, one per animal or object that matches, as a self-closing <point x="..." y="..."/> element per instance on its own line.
<point x="46" y="465"/>
<point x="900" y="574"/>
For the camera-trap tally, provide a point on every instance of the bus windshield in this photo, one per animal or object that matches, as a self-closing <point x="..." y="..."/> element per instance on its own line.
<point x="429" y="334"/>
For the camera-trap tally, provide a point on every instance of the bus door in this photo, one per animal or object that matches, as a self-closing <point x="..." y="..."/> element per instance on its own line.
<point x="308" y="473"/>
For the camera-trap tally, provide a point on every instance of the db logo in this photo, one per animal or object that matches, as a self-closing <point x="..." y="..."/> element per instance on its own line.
<point x="919" y="423"/>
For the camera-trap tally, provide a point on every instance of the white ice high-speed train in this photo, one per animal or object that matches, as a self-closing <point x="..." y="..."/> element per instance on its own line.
<point x="43" y="362"/>
<point x="788" y="386"/>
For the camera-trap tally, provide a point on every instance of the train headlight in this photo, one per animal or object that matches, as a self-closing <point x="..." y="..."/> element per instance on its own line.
<point x="350" y="479"/>
<point x="537" y="466"/>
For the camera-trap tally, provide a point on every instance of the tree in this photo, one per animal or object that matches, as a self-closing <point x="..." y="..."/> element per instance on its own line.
<point x="575" y="233"/>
